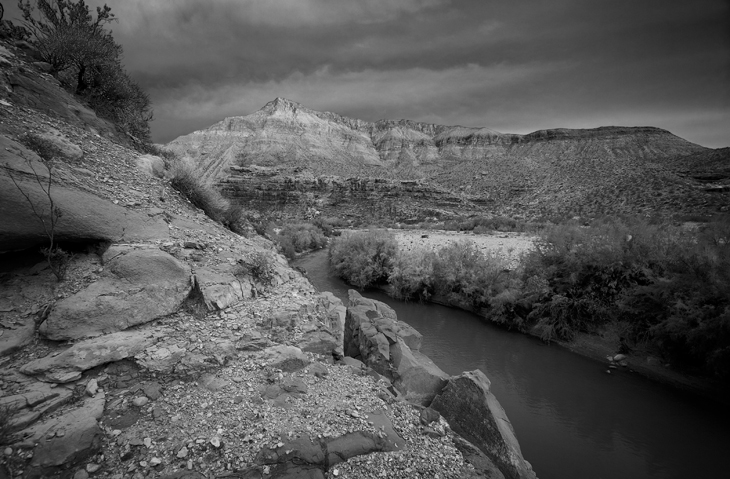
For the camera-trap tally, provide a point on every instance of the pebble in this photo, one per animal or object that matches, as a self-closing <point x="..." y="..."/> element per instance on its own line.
<point x="215" y="441"/>
<point x="8" y="451"/>
<point x="182" y="453"/>
<point x="140" y="401"/>
<point x="81" y="474"/>
<point x="155" y="461"/>
<point x="92" y="468"/>
<point x="92" y="387"/>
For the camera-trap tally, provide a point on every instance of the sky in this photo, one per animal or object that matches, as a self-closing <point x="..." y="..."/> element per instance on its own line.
<point x="514" y="66"/>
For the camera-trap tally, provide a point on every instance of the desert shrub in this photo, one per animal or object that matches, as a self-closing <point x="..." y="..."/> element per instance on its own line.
<point x="462" y="274"/>
<point x="187" y="179"/>
<point x="257" y="266"/>
<point x="684" y="308"/>
<point x="304" y="236"/>
<point x="328" y="225"/>
<point x="236" y="218"/>
<point x="363" y="258"/>
<point x="668" y="286"/>
<point x="412" y="276"/>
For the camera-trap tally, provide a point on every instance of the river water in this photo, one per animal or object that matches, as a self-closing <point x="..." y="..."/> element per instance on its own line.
<point x="573" y="421"/>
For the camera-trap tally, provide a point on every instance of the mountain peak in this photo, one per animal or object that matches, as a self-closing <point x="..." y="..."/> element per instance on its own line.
<point x="281" y="104"/>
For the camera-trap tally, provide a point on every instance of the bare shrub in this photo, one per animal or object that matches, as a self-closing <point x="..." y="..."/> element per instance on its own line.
<point x="56" y="257"/>
<point x="187" y="179"/>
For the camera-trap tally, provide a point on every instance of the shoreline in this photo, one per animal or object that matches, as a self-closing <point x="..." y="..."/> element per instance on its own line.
<point x="597" y="347"/>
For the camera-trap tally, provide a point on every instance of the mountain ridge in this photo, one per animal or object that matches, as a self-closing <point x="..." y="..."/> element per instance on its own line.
<point x="508" y="171"/>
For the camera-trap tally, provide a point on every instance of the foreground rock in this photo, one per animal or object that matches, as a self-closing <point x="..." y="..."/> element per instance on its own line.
<point x="374" y="335"/>
<point x="66" y="439"/>
<point x="68" y="365"/>
<point x="473" y="411"/>
<point x="86" y="217"/>
<point x="138" y="285"/>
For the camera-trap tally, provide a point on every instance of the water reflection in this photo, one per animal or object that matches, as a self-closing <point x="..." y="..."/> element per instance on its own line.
<point x="571" y="418"/>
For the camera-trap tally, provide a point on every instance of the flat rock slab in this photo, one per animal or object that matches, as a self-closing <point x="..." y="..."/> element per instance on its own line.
<point x="220" y="288"/>
<point x="69" y="364"/>
<point x="68" y="438"/>
<point x="86" y="216"/>
<point x="286" y="358"/>
<point x="139" y="284"/>
<point x="13" y="339"/>
<point x="474" y="412"/>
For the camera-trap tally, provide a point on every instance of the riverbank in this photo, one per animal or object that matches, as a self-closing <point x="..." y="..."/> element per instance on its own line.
<point x="602" y="344"/>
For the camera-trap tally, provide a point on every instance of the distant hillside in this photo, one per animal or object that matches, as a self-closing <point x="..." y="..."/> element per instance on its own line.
<point x="607" y="170"/>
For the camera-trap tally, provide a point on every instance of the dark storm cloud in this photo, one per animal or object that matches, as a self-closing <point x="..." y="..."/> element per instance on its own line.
<point x="514" y="66"/>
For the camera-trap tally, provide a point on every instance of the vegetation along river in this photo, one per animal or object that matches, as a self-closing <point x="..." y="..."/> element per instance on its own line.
<point x="573" y="421"/>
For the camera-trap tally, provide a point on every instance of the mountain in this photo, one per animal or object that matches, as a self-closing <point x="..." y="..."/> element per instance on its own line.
<point x="563" y="172"/>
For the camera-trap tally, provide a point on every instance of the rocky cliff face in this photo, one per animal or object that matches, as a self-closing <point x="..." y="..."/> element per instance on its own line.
<point x="548" y="172"/>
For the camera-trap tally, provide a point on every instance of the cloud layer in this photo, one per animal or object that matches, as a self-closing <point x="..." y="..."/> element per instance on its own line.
<point x="510" y="66"/>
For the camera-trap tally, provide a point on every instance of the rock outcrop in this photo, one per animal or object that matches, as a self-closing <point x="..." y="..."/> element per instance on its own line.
<point x="372" y="334"/>
<point x="138" y="285"/>
<point x="473" y="411"/>
<point x="86" y="217"/>
<point x="69" y="364"/>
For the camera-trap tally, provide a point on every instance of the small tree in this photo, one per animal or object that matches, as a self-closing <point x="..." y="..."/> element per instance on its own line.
<point x="66" y="35"/>
<point x="57" y="258"/>
<point x="85" y="57"/>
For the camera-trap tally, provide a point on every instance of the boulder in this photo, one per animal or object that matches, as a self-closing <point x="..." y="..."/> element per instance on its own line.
<point x="415" y="375"/>
<point x="220" y="288"/>
<point x="139" y="284"/>
<point x="13" y="339"/>
<point x="373" y="346"/>
<point x="86" y="217"/>
<point x="69" y="438"/>
<point x="69" y="364"/>
<point x="286" y="358"/>
<point x="160" y="357"/>
<point x="483" y="466"/>
<point x="319" y="341"/>
<point x="371" y="327"/>
<point x="356" y="299"/>
<point x="473" y="412"/>
<point x="152" y="165"/>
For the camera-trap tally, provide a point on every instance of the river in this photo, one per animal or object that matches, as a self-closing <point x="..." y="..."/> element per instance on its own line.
<point x="573" y="421"/>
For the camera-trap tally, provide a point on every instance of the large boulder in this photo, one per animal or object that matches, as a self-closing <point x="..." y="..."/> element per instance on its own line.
<point x="139" y="284"/>
<point x="386" y="320"/>
<point x="363" y="340"/>
<point x="415" y="375"/>
<point x="69" y="364"/>
<point x="67" y="439"/>
<point x="220" y="288"/>
<point x="151" y="165"/>
<point x="86" y="217"/>
<point x="474" y="412"/>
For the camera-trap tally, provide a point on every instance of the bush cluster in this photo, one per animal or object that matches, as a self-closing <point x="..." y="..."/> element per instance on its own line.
<point x="665" y="288"/>
<point x="364" y="258"/>
<point x="298" y="238"/>
<point x="187" y="178"/>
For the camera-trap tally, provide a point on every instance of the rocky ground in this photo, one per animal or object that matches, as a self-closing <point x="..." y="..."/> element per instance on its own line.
<point x="175" y="348"/>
